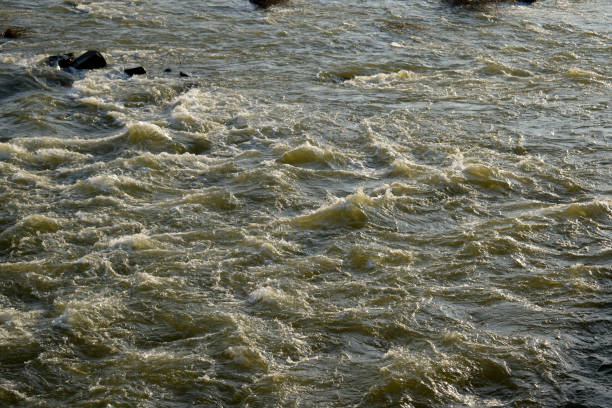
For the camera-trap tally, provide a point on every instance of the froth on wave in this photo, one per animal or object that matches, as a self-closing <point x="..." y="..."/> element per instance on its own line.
<point x="135" y="242"/>
<point x="592" y="209"/>
<point x="587" y="77"/>
<point x="214" y="197"/>
<point x="143" y="132"/>
<point x="309" y="154"/>
<point x="111" y="184"/>
<point x="457" y="177"/>
<point x="385" y="79"/>
<point x="247" y="357"/>
<point x="88" y="314"/>
<point x="98" y="103"/>
<point x="279" y="300"/>
<point x="492" y="67"/>
<point x="349" y="212"/>
<point x="30" y="225"/>
<point x="143" y="136"/>
<point x="268" y="295"/>
<point x="152" y="137"/>
<point x="426" y="174"/>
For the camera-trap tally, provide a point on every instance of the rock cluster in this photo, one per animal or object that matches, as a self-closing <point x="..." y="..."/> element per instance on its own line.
<point x="90" y="60"/>
<point x="94" y="60"/>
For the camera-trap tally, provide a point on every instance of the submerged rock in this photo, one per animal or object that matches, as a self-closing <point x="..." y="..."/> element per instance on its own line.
<point x="605" y="368"/>
<point x="266" y="3"/>
<point x="61" y="60"/>
<point x="135" y="71"/>
<point x="90" y="60"/>
<point x="14" y="32"/>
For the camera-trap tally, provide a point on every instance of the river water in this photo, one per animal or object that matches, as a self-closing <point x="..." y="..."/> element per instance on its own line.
<point x="345" y="204"/>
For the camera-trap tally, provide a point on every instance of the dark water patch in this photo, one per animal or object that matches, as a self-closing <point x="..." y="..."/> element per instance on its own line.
<point x="15" y="81"/>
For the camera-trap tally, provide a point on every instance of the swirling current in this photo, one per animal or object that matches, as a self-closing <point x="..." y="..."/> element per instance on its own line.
<point x="336" y="204"/>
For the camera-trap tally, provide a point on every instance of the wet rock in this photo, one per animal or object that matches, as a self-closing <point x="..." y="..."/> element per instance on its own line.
<point x="135" y="71"/>
<point x="14" y="32"/>
<point x="266" y="3"/>
<point x="61" y="60"/>
<point x="90" y="60"/>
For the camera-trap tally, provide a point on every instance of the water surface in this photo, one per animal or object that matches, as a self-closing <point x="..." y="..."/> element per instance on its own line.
<point x="345" y="204"/>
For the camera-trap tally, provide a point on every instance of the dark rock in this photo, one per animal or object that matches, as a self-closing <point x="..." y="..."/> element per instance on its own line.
<point x="167" y="70"/>
<point x="90" y="60"/>
<point x="183" y="74"/>
<point x="266" y="3"/>
<point x="62" y="60"/>
<point x="14" y="32"/>
<point x="135" y="71"/>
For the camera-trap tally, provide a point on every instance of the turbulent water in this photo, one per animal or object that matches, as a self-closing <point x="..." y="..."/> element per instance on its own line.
<point x="345" y="204"/>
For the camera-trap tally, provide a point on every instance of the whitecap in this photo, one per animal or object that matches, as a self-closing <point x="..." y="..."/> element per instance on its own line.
<point x="9" y="151"/>
<point x="139" y="132"/>
<point x="385" y="79"/>
<point x="135" y="242"/>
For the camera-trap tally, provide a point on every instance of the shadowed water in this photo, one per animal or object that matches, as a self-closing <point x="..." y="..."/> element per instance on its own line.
<point x="345" y="204"/>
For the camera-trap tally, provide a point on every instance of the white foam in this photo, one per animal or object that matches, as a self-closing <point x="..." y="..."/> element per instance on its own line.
<point x="103" y="183"/>
<point x="135" y="242"/>
<point x="385" y="79"/>
<point x="62" y="321"/>
<point x="55" y="156"/>
<point x="100" y="103"/>
<point x="91" y="313"/>
<point x="267" y="294"/>
<point x="147" y="281"/>
<point x="9" y="151"/>
<point x="246" y="356"/>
